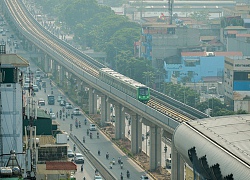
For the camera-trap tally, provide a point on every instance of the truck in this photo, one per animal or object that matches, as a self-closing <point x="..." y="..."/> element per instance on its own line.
<point x="51" y="99"/>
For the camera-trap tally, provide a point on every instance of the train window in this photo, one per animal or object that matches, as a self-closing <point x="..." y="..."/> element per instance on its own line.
<point x="143" y="91"/>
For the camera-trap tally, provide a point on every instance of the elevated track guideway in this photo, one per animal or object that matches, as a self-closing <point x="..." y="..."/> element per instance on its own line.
<point x="87" y="69"/>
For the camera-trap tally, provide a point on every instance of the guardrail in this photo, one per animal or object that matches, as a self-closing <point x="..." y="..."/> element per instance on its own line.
<point x="94" y="161"/>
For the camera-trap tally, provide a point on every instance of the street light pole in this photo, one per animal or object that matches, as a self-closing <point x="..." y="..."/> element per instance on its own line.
<point x="146" y="141"/>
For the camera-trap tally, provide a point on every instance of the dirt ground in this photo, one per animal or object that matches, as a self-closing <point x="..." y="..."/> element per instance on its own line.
<point x="124" y="144"/>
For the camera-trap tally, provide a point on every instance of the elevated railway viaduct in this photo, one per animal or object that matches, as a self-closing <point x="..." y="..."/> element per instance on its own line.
<point x="162" y="113"/>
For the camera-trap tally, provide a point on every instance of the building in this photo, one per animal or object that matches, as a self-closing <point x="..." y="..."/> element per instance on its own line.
<point x="160" y="41"/>
<point x="11" y="101"/>
<point x="237" y="83"/>
<point x="200" y="69"/>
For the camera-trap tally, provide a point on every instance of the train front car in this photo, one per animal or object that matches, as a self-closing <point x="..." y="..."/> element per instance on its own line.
<point x="143" y="94"/>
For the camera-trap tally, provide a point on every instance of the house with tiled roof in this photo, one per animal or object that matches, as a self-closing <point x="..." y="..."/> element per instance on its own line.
<point x="56" y="170"/>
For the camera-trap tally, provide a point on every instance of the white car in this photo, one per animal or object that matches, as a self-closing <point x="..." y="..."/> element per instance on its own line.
<point x="76" y="111"/>
<point x="52" y="115"/>
<point x="70" y="153"/>
<point x="144" y="177"/>
<point x="98" y="177"/>
<point x="35" y="88"/>
<point x="79" y="158"/>
<point x="59" y="98"/>
<point x="26" y="86"/>
<point x="92" y="127"/>
<point x="68" y="106"/>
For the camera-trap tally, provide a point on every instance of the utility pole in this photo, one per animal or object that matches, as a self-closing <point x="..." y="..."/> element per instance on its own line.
<point x="30" y="132"/>
<point x="2" y="51"/>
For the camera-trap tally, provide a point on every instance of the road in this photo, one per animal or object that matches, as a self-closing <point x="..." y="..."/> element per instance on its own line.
<point x="103" y="143"/>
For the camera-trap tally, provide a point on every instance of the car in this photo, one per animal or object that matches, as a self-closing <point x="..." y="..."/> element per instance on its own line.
<point x="69" y="106"/>
<point x="27" y="80"/>
<point x="59" y="98"/>
<point x="76" y="112"/>
<point x="26" y="86"/>
<point x="35" y="88"/>
<point x="92" y="127"/>
<point x="38" y="79"/>
<point x="52" y="115"/>
<point x="41" y="102"/>
<point x="79" y="158"/>
<point x="70" y="153"/>
<point x="98" y="177"/>
<point x="11" y="36"/>
<point x="168" y="163"/>
<point x="144" y="177"/>
<point x="62" y="103"/>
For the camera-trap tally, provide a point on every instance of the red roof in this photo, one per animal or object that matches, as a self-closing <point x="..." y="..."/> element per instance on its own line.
<point x="60" y="166"/>
<point x="232" y="32"/>
<point x="193" y="53"/>
<point x="242" y="35"/>
<point x="230" y="53"/>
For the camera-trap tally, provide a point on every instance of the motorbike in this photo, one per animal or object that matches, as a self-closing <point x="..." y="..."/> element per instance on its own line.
<point x="128" y="174"/>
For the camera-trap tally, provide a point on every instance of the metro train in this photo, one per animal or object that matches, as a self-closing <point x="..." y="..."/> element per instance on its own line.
<point x="125" y="84"/>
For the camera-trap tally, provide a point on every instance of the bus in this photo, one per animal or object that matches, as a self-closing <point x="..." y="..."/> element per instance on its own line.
<point x="51" y="99"/>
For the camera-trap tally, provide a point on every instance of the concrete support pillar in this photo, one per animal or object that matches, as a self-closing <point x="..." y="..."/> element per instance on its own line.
<point x="61" y="75"/>
<point x="119" y="122"/>
<point x="53" y="65"/>
<point x="136" y="134"/>
<point x="104" y="109"/>
<point x="155" y="147"/>
<point x="108" y="111"/>
<point x="177" y="169"/>
<point x="92" y="101"/>
<point x="46" y="64"/>
<point x="39" y="60"/>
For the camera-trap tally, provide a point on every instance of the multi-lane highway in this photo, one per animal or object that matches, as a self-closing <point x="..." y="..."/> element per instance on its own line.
<point x="103" y="143"/>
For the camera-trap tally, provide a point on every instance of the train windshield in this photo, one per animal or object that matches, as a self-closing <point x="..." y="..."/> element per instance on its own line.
<point x="143" y="91"/>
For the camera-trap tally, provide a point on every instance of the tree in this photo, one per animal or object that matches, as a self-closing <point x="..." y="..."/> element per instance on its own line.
<point x="200" y="15"/>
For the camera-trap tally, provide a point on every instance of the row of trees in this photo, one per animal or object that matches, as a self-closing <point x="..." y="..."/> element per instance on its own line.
<point x="101" y="29"/>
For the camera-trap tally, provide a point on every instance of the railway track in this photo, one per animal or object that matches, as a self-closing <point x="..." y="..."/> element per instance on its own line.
<point x="88" y="64"/>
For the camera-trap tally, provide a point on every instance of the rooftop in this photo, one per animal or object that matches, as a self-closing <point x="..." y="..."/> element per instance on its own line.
<point x="223" y="140"/>
<point x="235" y="28"/>
<point x="56" y="167"/>
<point x="13" y="59"/>
<point x="230" y="53"/>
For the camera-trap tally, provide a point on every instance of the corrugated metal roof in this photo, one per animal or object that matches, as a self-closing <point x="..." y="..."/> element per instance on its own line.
<point x="246" y="20"/>
<point x="224" y="140"/>
<point x="14" y="59"/>
<point x="235" y="28"/>
<point x="207" y="38"/>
